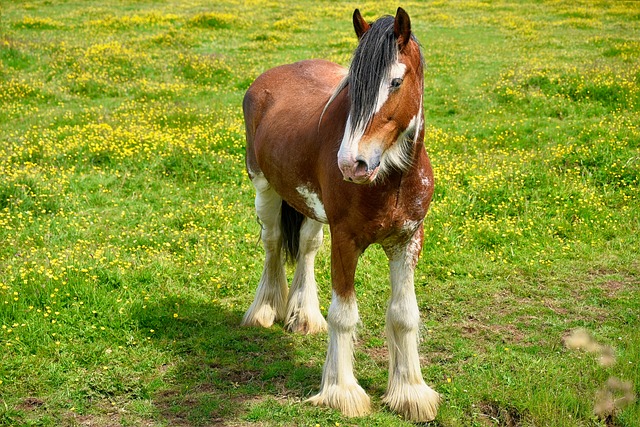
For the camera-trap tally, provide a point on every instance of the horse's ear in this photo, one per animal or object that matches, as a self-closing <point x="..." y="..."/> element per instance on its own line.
<point x="359" y="24"/>
<point x="402" y="28"/>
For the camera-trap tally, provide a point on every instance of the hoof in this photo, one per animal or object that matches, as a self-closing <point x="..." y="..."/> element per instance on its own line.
<point x="417" y="403"/>
<point x="306" y="324"/>
<point x="352" y="400"/>
<point x="263" y="315"/>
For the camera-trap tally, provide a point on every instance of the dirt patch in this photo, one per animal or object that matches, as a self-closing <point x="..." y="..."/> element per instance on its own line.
<point x="379" y="354"/>
<point x="95" y="420"/>
<point x="178" y="407"/>
<point x="613" y="283"/>
<point x="504" y="416"/>
<point x="105" y="420"/>
<point x="554" y="305"/>
<point x="31" y="403"/>
<point x="112" y="413"/>
<point x="613" y="287"/>
<point x="233" y="374"/>
<point x="507" y="333"/>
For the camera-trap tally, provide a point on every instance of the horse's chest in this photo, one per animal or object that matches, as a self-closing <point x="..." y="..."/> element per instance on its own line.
<point x="398" y="219"/>
<point x="414" y="196"/>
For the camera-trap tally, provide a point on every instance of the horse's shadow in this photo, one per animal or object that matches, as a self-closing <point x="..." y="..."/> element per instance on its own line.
<point x="215" y="370"/>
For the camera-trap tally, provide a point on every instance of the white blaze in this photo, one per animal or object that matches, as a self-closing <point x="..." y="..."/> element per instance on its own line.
<point x="349" y="147"/>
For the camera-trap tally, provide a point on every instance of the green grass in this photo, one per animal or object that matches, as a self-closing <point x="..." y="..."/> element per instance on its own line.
<point x="129" y="247"/>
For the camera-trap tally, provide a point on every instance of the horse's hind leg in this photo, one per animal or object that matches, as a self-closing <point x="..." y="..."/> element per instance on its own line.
<point x="271" y="295"/>
<point x="303" y="311"/>
<point x="407" y="392"/>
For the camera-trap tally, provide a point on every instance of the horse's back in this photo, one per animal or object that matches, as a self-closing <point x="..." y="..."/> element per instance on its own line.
<point x="284" y="104"/>
<point x="308" y="76"/>
<point x="298" y="89"/>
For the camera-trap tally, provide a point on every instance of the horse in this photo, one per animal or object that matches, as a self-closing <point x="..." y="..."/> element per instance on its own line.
<point x="344" y="147"/>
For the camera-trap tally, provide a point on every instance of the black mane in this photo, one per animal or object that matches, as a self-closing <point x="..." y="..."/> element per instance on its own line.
<point x="377" y="51"/>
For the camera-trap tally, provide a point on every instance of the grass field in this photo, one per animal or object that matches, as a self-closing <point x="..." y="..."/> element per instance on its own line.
<point x="128" y="241"/>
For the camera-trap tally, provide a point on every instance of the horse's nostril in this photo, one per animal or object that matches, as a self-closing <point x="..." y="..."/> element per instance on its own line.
<point x="361" y="167"/>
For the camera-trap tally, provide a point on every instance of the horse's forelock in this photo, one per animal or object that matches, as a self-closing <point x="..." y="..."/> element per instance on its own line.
<point x="372" y="60"/>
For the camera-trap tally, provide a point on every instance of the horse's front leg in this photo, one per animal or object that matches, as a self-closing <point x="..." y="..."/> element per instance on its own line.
<point x="407" y="392"/>
<point x="339" y="388"/>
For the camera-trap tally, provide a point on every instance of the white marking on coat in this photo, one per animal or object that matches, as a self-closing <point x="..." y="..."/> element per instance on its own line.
<point x="396" y="71"/>
<point x="314" y="203"/>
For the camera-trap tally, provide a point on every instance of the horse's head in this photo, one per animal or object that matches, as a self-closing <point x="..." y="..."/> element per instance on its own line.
<point x="385" y="84"/>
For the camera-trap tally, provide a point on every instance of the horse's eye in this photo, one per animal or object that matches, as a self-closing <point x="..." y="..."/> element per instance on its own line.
<point x="395" y="83"/>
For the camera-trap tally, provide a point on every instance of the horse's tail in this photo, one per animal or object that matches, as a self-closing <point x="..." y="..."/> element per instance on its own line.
<point x="290" y="221"/>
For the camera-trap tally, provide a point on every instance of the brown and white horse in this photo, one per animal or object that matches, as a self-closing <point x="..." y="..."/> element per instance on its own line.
<point x="326" y="145"/>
